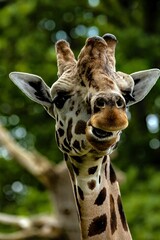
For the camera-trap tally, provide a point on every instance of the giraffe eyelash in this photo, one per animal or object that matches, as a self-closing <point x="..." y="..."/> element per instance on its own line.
<point x="60" y="99"/>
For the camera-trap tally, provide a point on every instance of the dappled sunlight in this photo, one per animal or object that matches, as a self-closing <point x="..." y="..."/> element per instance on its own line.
<point x="152" y="121"/>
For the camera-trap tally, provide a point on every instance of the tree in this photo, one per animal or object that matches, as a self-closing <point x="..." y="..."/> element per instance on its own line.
<point x="65" y="223"/>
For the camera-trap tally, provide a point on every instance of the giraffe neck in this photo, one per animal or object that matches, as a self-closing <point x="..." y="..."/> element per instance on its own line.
<point x="98" y="200"/>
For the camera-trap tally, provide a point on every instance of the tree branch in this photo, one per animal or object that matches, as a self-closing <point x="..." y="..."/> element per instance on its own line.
<point x="35" y="226"/>
<point x="36" y="164"/>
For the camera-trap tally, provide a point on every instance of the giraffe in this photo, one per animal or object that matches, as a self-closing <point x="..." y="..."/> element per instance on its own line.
<point x="89" y="103"/>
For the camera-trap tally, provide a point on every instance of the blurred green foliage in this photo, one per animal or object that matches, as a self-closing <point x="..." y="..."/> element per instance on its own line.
<point x="28" y="31"/>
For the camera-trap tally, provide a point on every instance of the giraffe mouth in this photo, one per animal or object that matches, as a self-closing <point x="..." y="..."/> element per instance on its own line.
<point x="101" y="140"/>
<point x="101" y="134"/>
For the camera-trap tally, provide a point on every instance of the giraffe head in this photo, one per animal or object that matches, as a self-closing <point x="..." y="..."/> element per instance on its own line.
<point x="89" y="99"/>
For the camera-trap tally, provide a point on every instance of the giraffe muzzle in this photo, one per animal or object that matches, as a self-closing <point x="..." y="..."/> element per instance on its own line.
<point x="110" y="119"/>
<point x="104" y="128"/>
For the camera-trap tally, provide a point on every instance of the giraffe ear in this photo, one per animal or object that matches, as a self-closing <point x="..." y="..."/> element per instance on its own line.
<point x="144" y="81"/>
<point x="33" y="86"/>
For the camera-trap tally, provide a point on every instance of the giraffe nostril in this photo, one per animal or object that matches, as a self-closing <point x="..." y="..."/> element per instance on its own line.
<point x="100" y="102"/>
<point x="120" y="103"/>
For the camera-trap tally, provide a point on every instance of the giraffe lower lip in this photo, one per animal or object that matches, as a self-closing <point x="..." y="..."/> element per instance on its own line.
<point x="101" y="133"/>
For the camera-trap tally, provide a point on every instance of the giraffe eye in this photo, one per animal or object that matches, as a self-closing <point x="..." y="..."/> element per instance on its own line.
<point x="60" y="99"/>
<point x="128" y="96"/>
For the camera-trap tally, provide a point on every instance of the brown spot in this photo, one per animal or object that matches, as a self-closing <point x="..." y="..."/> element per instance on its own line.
<point x="64" y="149"/>
<point x="82" y="83"/>
<point x="60" y="132"/>
<point x="121" y="212"/>
<point x="101" y="197"/>
<point x="80" y="193"/>
<point x="78" y="111"/>
<point x="61" y="124"/>
<point x="78" y="205"/>
<point x="65" y="157"/>
<point x="89" y="74"/>
<point x="92" y="170"/>
<point x="96" y="158"/>
<point x="69" y="130"/>
<point x="82" y="67"/>
<point x="80" y="127"/>
<point x="98" y="225"/>
<point x="66" y="144"/>
<point x="113" y="219"/>
<point x="75" y="169"/>
<point x="104" y="159"/>
<point x="112" y="175"/>
<point x="72" y="106"/>
<point x="91" y="184"/>
<point x="106" y="170"/>
<point x="99" y="178"/>
<point x="77" y="159"/>
<point x="76" y="145"/>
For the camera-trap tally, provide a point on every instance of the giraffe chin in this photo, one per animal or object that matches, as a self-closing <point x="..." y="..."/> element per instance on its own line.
<point x="101" y="140"/>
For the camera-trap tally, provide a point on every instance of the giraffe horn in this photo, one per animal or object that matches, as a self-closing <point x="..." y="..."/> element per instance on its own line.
<point x="92" y="55"/>
<point x="65" y="56"/>
<point x="111" y="41"/>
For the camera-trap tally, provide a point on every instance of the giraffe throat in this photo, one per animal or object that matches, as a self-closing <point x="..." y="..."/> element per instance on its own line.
<point x="98" y="198"/>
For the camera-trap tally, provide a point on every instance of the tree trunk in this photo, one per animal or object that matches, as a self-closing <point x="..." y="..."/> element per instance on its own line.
<point x="56" y="180"/>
